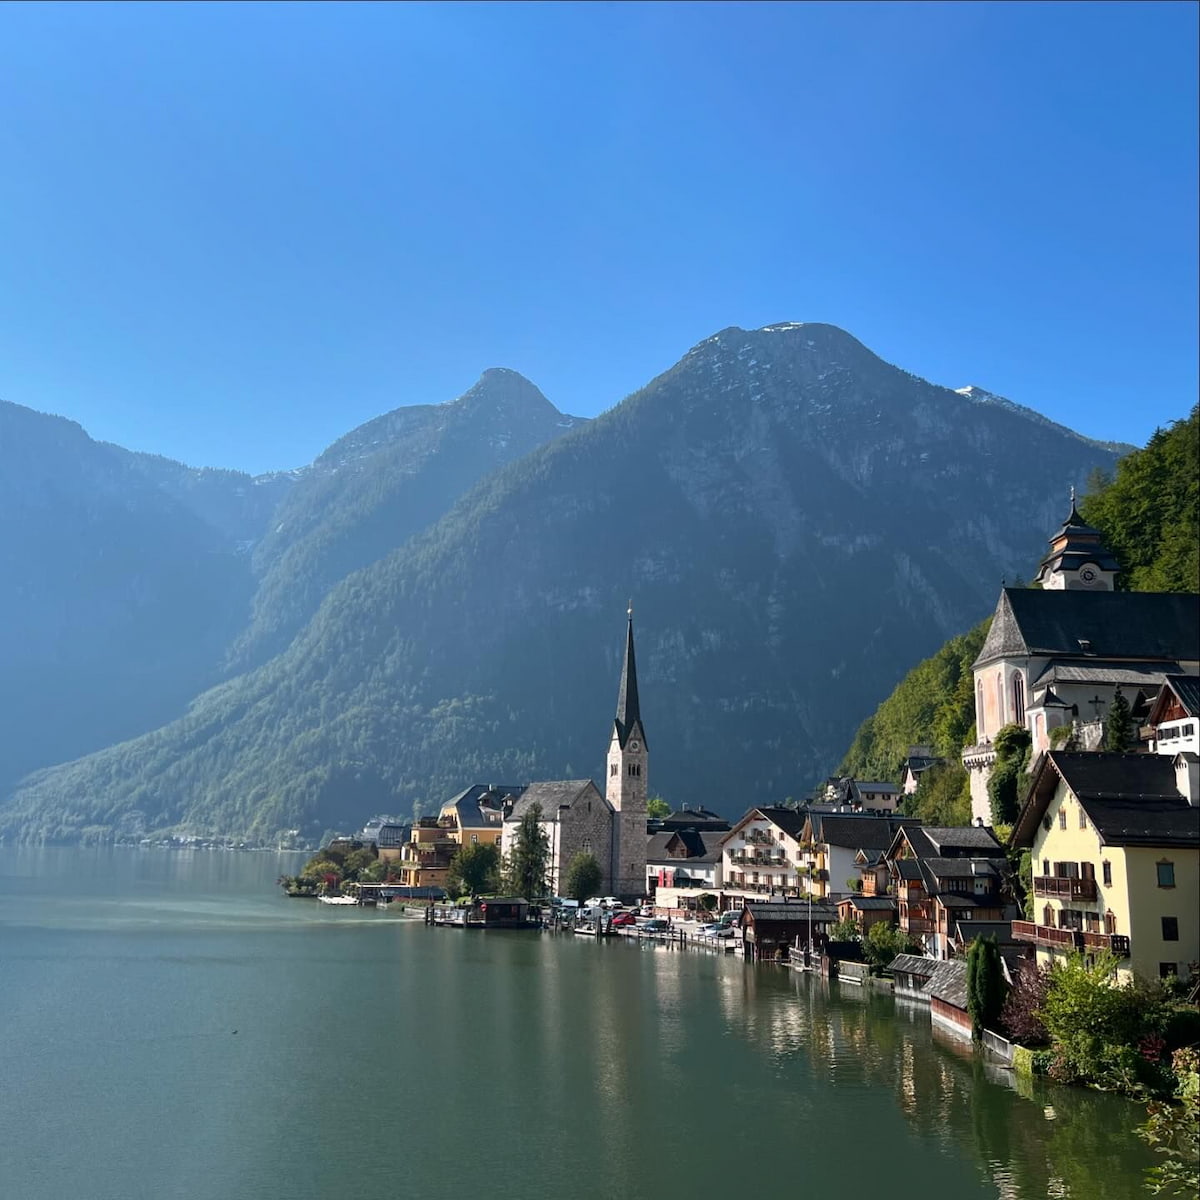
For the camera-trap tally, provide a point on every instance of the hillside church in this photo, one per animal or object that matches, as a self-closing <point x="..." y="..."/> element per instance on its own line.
<point x="577" y="818"/>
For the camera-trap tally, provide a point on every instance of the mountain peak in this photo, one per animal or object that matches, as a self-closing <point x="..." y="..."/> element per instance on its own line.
<point x="504" y="389"/>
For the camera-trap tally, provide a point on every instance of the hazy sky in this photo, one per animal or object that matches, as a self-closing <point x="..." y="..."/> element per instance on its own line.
<point x="231" y="233"/>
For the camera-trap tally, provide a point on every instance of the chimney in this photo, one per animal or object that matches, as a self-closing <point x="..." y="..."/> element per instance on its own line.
<point x="978" y="822"/>
<point x="1187" y="776"/>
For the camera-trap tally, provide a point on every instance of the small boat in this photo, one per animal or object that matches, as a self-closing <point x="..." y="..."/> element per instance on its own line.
<point x="337" y="900"/>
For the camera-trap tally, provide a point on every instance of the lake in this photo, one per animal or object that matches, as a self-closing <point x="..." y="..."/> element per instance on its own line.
<point x="174" y="1026"/>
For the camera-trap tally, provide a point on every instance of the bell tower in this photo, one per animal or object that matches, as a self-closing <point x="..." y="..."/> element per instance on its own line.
<point x="1078" y="559"/>
<point x="625" y="786"/>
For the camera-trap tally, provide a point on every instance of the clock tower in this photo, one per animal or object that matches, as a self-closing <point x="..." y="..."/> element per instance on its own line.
<point x="626" y="782"/>
<point x="1078" y="560"/>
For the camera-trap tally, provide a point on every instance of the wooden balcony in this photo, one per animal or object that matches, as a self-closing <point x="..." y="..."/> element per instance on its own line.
<point x="917" y="925"/>
<point x="1115" y="943"/>
<point x="1071" y="939"/>
<point x="1065" y="887"/>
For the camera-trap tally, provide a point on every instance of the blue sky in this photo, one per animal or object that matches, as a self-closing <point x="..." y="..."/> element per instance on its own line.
<point x="230" y="233"/>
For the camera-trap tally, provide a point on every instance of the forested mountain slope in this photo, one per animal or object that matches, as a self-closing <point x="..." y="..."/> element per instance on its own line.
<point x="794" y="519"/>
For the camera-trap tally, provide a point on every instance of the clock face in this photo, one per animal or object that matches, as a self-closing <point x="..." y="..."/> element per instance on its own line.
<point x="635" y="745"/>
<point x="1088" y="574"/>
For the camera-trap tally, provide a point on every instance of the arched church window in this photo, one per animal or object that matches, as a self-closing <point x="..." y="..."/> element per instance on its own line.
<point x="1018" y="700"/>
<point x="613" y="769"/>
<point x="979" y="710"/>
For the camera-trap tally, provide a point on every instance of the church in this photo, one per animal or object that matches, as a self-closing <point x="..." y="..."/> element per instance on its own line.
<point x="1056" y="655"/>
<point x="578" y="818"/>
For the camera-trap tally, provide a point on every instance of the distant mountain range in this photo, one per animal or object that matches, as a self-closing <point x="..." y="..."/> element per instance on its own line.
<point x="439" y="598"/>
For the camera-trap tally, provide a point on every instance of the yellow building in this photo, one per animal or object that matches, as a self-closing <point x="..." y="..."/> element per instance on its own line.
<point x="1115" y="842"/>
<point x="473" y="817"/>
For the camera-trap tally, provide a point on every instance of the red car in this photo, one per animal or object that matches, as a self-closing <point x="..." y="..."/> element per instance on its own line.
<point x="624" y="918"/>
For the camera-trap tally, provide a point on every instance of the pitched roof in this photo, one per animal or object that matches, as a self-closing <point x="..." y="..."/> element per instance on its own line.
<point x="471" y="803"/>
<point x="821" y="913"/>
<point x="960" y="837"/>
<point x="790" y="820"/>
<point x="1185" y="689"/>
<point x="629" y="711"/>
<point x="948" y="983"/>
<point x="913" y="964"/>
<point x="858" y="831"/>
<point x="700" y="849"/>
<point x="553" y="795"/>
<point x="1128" y="674"/>
<point x="870" y="903"/>
<point x="1131" y="799"/>
<point x="1145" y="626"/>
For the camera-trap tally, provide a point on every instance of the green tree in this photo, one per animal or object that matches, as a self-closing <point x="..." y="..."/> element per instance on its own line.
<point x="584" y="877"/>
<point x="943" y="796"/>
<point x="883" y="942"/>
<point x="657" y="808"/>
<point x="1150" y="512"/>
<point x="845" y="931"/>
<point x="474" y="870"/>
<point x="1012" y="744"/>
<point x="530" y="858"/>
<point x="986" y="988"/>
<point x="1118" y="729"/>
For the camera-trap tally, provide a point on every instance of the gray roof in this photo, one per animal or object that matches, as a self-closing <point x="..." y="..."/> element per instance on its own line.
<point x="871" y="903"/>
<point x="1141" y="626"/>
<point x="695" y="818"/>
<point x="556" y="794"/>
<point x="1143" y="675"/>
<point x="821" y="913"/>
<point x="913" y="964"/>
<point x="948" y="983"/>
<point x="472" y="803"/>
<point x="965" y="868"/>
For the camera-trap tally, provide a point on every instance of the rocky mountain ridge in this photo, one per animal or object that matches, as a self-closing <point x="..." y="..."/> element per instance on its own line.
<point x="796" y="520"/>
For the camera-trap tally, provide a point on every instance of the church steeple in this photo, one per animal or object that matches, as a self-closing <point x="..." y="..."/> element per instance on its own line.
<point x="629" y="713"/>
<point x="1078" y="559"/>
<point x="625" y="787"/>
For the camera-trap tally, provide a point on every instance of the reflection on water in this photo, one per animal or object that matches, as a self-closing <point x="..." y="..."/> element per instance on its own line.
<point x="382" y="1058"/>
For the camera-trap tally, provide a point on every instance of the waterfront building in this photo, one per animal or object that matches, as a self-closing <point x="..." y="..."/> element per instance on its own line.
<point x="944" y="878"/>
<point x="761" y="854"/>
<point x="1115" y="842"/>
<point x="575" y="819"/>
<point x="1056" y="656"/>
<point x="682" y="859"/>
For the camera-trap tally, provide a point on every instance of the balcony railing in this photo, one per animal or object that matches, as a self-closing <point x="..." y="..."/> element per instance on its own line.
<point x="1070" y="939"/>
<point x="1062" y="885"/>
<point x="1116" y="943"/>
<point x="917" y="925"/>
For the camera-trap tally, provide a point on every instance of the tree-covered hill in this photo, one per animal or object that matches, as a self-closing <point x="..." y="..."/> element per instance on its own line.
<point x="1149" y="512"/>
<point x="793" y="518"/>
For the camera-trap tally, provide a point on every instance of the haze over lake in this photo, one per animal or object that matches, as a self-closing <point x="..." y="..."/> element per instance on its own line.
<point x="375" y="1057"/>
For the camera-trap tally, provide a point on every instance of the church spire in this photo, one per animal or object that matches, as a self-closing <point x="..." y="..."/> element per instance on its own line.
<point x="628" y="711"/>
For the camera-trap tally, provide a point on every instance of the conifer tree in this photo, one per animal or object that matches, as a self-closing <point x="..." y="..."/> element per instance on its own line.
<point x="985" y="984"/>
<point x="1118" y="729"/>
<point x="530" y="858"/>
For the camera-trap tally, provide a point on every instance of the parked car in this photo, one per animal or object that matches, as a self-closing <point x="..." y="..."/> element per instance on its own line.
<point x="624" y="918"/>
<point x="611" y="902"/>
<point x="709" y="929"/>
<point x="646" y="910"/>
<point x="656" y="925"/>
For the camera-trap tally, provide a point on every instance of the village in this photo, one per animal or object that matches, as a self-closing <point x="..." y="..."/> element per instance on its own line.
<point x="848" y="885"/>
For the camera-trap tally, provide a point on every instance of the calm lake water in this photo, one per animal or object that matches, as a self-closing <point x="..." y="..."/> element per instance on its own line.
<point x="374" y="1057"/>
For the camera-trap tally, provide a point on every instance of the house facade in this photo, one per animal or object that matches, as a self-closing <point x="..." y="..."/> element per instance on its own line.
<point x="761" y="854"/>
<point x="833" y="845"/>
<point x="1115" y="842"/>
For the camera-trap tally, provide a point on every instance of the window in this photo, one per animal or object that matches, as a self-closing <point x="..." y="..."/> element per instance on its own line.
<point x="1062" y="818"/>
<point x="1106" y="869"/>
<point x="1166" y="970"/>
<point x="1018" y="700"/>
<point x="613" y="769"/>
<point x="1082" y="818"/>
<point x="1166" y="874"/>
<point x="587" y="845"/>
<point x="475" y="839"/>
<point x="1170" y="928"/>
<point x="1045" y="866"/>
